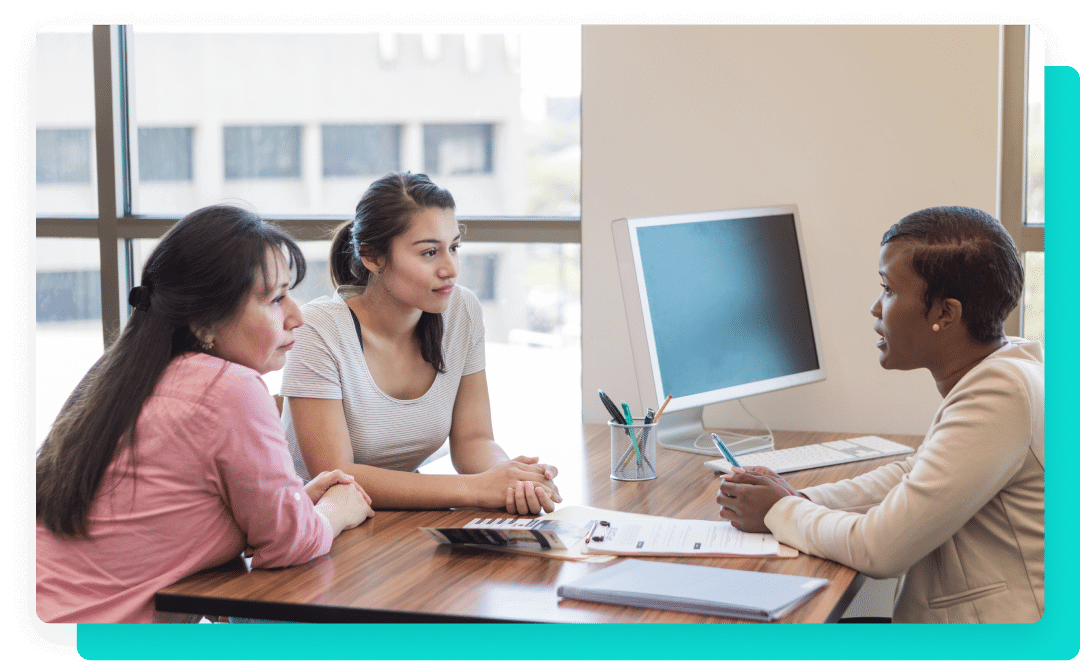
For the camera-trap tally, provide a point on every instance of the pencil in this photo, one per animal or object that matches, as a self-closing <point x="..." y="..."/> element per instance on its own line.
<point x="657" y="418"/>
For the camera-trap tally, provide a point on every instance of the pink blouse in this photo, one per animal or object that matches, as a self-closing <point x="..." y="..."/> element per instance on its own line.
<point x="212" y="475"/>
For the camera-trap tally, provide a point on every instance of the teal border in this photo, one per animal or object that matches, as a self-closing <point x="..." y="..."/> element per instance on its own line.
<point x="1055" y="637"/>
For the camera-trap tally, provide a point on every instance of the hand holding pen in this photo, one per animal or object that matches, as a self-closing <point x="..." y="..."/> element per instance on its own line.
<point x="724" y="450"/>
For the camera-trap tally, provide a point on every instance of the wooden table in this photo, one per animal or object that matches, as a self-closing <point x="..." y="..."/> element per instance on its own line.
<point x="386" y="570"/>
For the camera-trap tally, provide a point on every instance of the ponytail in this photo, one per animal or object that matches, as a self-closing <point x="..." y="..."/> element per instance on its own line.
<point x="384" y="212"/>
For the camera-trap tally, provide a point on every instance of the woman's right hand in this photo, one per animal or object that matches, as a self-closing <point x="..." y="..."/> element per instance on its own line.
<point x="522" y="486"/>
<point x="773" y="476"/>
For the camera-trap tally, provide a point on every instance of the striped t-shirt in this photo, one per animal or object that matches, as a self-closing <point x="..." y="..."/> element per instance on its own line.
<point x="327" y="362"/>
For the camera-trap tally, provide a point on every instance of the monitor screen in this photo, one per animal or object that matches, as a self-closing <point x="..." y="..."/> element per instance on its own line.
<point x="719" y="307"/>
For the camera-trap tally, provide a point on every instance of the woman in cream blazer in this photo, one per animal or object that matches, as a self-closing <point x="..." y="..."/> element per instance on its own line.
<point x="961" y="520"/>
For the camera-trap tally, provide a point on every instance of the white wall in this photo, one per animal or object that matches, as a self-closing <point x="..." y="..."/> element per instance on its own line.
<point x="857" y="125"/>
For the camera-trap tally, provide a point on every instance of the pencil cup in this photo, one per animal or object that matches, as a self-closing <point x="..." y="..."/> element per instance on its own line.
<point x="634" y="451"/>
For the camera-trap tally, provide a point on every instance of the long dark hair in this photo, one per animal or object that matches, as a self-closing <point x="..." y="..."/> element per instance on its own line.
<point x="199" y="274"/>
<point x="385" y="212"/>
<point x="965" y="254"/>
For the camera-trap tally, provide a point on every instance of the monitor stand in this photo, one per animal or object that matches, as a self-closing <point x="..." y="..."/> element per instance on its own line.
<point x="683" y="430"/>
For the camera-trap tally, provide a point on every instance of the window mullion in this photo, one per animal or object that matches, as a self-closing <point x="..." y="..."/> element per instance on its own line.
<point x="112" y="174"/>
<point x="1012" y="145"/>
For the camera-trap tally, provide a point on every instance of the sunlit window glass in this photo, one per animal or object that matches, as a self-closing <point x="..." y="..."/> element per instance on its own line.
<point x="165" y="154"/>
<point x="361" y="149"/>
<point x="1032" y="318"/>
<point x="1034" y="210"/>
<point x="299" y="123"/>
<point x="63" y="99"/>
<point x="67" y="335"/>
<point x="67" y="303"/>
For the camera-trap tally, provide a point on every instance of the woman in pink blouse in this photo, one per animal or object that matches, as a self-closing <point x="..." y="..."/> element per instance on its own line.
<point x="169" y="456"/>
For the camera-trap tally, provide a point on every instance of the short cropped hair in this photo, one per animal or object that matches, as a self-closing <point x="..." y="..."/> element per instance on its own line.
<point x="965" y="254"/>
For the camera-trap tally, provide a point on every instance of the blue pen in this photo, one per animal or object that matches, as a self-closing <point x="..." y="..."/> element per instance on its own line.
<point x="634" y="442"/>
<point x="724" y="450"/>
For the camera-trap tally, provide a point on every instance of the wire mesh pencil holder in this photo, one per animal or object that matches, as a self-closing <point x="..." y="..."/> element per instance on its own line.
<point x="634" y="450"/>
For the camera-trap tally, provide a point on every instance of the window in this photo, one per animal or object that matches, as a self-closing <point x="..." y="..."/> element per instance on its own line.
<point x="303" y="159"/>
<point x="68" y="331"/>
<point x="1021" y="190"/>
<point x="1032" y="319"/>
<point x="261" y="152"/>
<point x="361" y="149"/>
<point x="457" y="149"/>
<point x="165" y="154"/>
<point x="63" y="155"/>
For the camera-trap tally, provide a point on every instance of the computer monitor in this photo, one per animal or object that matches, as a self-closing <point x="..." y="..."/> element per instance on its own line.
<point x="719" y="307"/>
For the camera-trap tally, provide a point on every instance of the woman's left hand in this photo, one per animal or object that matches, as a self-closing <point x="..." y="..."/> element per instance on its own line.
<point x="318" y="486"/>
<point x="529" y="498"/>
<point x="746" y="497"/>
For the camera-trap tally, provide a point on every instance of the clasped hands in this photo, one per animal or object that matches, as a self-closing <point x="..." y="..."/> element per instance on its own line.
<point x="340" y="491"/>
<point x="523" y="486"/>
<point x="344" y="490"/>
<point x="747" y="494"/>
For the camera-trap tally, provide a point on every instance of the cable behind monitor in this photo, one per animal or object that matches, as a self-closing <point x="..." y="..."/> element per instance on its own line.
<point x="738" y="442"/>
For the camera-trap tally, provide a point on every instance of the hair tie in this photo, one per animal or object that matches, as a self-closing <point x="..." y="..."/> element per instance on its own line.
<point x="139" y="298"/>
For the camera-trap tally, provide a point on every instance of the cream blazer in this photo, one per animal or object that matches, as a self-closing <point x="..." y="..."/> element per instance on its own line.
<point x="961" y="520"/>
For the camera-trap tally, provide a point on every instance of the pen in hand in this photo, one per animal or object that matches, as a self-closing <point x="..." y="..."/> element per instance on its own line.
<point x="724" y="450"/>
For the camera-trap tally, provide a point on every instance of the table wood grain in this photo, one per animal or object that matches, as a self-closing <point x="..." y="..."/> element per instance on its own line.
<point x="387" y="570"/>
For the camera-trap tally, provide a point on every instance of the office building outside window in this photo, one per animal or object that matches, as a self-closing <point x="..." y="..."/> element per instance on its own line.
<point x="259" y="152"/>
<point x="457" y="149"/>
<point x="299" y="137"/>
<point x="63" y="155"/>
<point x="165" y="154"/>
<point x="361" y="149"/>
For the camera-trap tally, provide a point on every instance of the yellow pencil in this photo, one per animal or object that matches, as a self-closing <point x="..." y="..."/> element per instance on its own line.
<point x="657" y="417"/>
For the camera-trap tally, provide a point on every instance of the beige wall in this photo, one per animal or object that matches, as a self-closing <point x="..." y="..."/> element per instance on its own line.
<point x="856" y="125"/>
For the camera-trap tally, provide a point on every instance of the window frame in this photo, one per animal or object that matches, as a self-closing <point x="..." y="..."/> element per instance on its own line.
<point x="1013" y="164"/>
<point x="116" y="225"/>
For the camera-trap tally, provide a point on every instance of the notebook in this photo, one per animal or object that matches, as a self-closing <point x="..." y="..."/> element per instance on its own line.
<point x="713" y="591"/>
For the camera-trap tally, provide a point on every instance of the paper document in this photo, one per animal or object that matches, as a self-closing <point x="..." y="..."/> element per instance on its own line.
<point x="640" y="534"/>
<point x="671" y="536"/>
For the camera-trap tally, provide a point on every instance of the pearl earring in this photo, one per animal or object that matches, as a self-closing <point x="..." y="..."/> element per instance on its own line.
<point x="934" y="327"/>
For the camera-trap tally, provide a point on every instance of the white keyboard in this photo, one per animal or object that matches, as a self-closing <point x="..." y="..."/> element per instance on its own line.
<point x="817" y="455"/>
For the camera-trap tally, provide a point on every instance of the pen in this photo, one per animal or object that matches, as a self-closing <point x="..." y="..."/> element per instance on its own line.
<point x="634" y="441"/>
<point x="645" y="441"/>
<point x="649" y="419"/>
<point x="724" y="450"/>
<point x="611" y="406"/>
